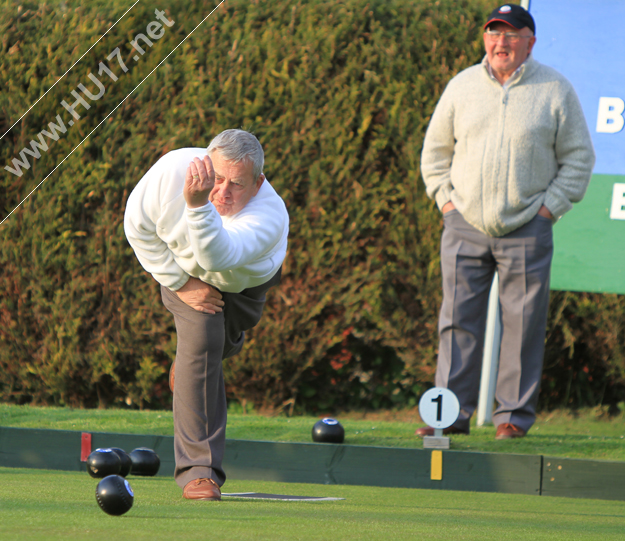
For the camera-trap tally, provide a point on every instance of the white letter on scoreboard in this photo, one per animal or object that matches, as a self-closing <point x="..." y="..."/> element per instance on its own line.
<point x="617" y="212"/>
<point x="610" y="117"/>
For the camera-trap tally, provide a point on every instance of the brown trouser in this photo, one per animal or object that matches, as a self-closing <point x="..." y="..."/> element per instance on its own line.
<point x="469" y="260"/>
<point x="200" y="407"/>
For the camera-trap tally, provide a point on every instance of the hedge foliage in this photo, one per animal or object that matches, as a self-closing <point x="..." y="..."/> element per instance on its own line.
<point x="340" y="94"/>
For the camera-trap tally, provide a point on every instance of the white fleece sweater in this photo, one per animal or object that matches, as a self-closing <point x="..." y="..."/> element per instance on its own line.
<point x="500" y="153"/>
<point x="173" y="242"/>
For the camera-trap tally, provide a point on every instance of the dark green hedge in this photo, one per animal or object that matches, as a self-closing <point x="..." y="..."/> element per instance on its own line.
<point x="340" y="95"/>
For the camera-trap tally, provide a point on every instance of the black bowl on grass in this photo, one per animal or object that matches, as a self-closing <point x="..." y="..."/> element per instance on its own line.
<point x="114" y="495"/>
<point x="103" y="462"/>
<point x="125" y="460"/>
<point x="145" y="462"/>
<point x="328" y="431"/>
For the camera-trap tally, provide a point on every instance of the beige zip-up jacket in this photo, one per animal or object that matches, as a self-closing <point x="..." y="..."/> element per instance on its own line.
<point x="499" y="154"/>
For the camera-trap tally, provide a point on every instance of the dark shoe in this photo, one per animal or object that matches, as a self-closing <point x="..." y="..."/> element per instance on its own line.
<point x="429" y="431"/>
<point x="508" y="431"/>
<point x="171" y="376"/>
<point x="202" y="489"/>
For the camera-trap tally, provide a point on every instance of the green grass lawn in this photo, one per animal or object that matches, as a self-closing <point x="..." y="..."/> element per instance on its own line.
<point x="42" y="504"/>
<point x="587" y="434"/>
<point x="47" y="505"/>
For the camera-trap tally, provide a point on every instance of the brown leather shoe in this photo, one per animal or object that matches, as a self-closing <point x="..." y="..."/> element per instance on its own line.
<point x="171" y="376"/>
<point x="508" y="431"/>
<point x="202" y="489"/>
<point x="429" y="431"/>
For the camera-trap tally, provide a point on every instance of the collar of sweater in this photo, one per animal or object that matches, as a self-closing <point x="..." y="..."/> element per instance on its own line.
<point x="527" y="66"/>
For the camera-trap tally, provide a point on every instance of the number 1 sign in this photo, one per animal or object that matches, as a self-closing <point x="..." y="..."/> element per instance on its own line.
<point x="439" y="408"/>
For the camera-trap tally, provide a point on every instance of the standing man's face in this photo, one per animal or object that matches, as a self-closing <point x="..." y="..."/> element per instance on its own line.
<point x="235" y="185"/>
<point x="505" y="55"/>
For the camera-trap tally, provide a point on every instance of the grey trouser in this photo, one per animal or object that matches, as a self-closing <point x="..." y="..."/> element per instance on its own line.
<point x="200" y="407"/>
<point x="469" y="260"/>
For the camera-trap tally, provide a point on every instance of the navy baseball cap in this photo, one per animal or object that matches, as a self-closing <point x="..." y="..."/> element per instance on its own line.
<point x="514" y="15"/>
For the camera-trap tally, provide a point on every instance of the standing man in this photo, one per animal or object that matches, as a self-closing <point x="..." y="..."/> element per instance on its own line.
<point x="506" y="154"/>
<point x="213" y="233"/>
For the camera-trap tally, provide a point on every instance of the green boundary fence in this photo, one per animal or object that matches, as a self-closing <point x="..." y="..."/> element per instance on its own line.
<point x="339" y="464"/>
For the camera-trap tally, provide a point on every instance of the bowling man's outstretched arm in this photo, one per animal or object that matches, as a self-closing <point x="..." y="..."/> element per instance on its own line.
<point x="152" y="252"/>
<point x="154" y="220"/>
<point x="140" y="225"/>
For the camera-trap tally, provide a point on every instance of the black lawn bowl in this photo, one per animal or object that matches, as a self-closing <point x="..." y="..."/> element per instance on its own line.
<point x="328" y="431"/>
<point x="145" y="462"/>
<point x="125" y="460"/>
<point x="114" y="495"/>
<point x="103" y="462"/>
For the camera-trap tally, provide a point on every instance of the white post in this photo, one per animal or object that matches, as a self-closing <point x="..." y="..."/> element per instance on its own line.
<point x="490" y="360"/>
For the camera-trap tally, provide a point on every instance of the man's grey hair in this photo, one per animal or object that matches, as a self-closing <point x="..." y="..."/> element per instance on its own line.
<point x="239" y="145"/>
